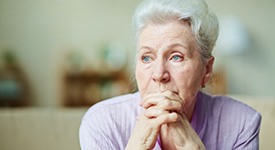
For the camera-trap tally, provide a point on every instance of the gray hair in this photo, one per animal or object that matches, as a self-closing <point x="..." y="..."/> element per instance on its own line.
<point x="203" y="23"/>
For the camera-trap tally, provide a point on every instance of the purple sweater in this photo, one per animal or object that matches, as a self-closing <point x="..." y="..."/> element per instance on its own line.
<point x="221" y="122"/>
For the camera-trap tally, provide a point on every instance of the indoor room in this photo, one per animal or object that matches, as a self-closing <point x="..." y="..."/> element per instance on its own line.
<point x="60" y="57"/>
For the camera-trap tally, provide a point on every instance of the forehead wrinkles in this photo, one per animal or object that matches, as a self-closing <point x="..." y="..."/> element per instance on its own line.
<point x="162" y="36"/>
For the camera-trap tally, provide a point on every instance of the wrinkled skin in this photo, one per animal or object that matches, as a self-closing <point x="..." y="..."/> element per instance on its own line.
<point x="169" y="73"/>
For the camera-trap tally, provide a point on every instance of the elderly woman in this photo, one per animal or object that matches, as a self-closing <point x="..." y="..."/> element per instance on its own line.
<point x="175" y="39"/>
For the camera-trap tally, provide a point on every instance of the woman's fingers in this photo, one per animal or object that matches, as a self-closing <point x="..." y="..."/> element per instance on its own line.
<point x="167" y="101"/>
<point x="170" y="105"/>
<point x="158" y="117"/>
<point x="166" y="118"/>
<point x="155" y="111"/>
<point x="150" y="99"/>
<point x="160" y="109"/>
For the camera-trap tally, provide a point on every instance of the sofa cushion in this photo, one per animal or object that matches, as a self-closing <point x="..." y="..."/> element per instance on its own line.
<point x="40" y="129"/>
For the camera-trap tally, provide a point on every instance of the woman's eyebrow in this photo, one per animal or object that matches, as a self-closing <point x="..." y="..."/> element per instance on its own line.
<point x="166" y="48"/>
<point x="146" y="48"/>
<point x="183" y="48"/>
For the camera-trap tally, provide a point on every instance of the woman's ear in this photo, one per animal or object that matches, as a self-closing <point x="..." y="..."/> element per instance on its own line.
<point x="208" y="71"/>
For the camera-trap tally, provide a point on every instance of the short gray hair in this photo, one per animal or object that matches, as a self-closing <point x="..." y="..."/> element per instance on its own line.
<point x="203" y="23"/>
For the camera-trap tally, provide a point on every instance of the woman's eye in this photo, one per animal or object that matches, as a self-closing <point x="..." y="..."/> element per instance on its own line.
<point x="146" y="59"/>
<point x="177" y="58"/>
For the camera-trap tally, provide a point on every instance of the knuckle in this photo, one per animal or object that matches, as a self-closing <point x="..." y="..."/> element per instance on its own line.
<point x="176" y="117"/>
<point x="162" y="111"/>
<point x="166" y="103"/>
<point x="168" y="93"/>
<point x="178" y="106"/>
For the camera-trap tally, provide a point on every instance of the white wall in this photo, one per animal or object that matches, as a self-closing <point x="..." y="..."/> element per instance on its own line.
<point x="41" y="31"/>
<point x="252" y="72"/>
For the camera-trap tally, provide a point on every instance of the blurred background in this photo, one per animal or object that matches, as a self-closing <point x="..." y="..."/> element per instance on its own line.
<point x="52" y="49"/>
<point x="73" y="53"/>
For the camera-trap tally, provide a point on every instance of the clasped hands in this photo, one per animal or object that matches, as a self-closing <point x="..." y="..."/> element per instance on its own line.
<point x="164" y="116"/>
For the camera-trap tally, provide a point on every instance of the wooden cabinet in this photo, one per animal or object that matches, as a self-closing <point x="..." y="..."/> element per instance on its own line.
<point x="89" y="87"/>
<point x="14" y="88"/>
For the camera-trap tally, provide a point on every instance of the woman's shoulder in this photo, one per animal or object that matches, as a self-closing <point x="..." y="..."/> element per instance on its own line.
<point x="110" y="122"/>
<point x="236" y="122"/>
<point x="228" y="109"/>
<point x="226" y="103"/>
<point x="127" y="103"/>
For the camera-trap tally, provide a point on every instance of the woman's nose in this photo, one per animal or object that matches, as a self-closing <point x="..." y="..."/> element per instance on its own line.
<point x="160" y="73"/>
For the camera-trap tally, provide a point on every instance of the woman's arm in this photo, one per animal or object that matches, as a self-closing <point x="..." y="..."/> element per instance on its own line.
<point x="93" y="137"/>
<point x="248" y="139"/>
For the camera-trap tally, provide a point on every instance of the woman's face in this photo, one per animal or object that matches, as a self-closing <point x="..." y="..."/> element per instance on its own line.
<point x="167" y="59"/>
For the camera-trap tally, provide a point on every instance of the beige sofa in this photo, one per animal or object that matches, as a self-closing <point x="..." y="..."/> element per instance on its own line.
<point x="57" y="129"/>
<point x="39" y="129"/>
